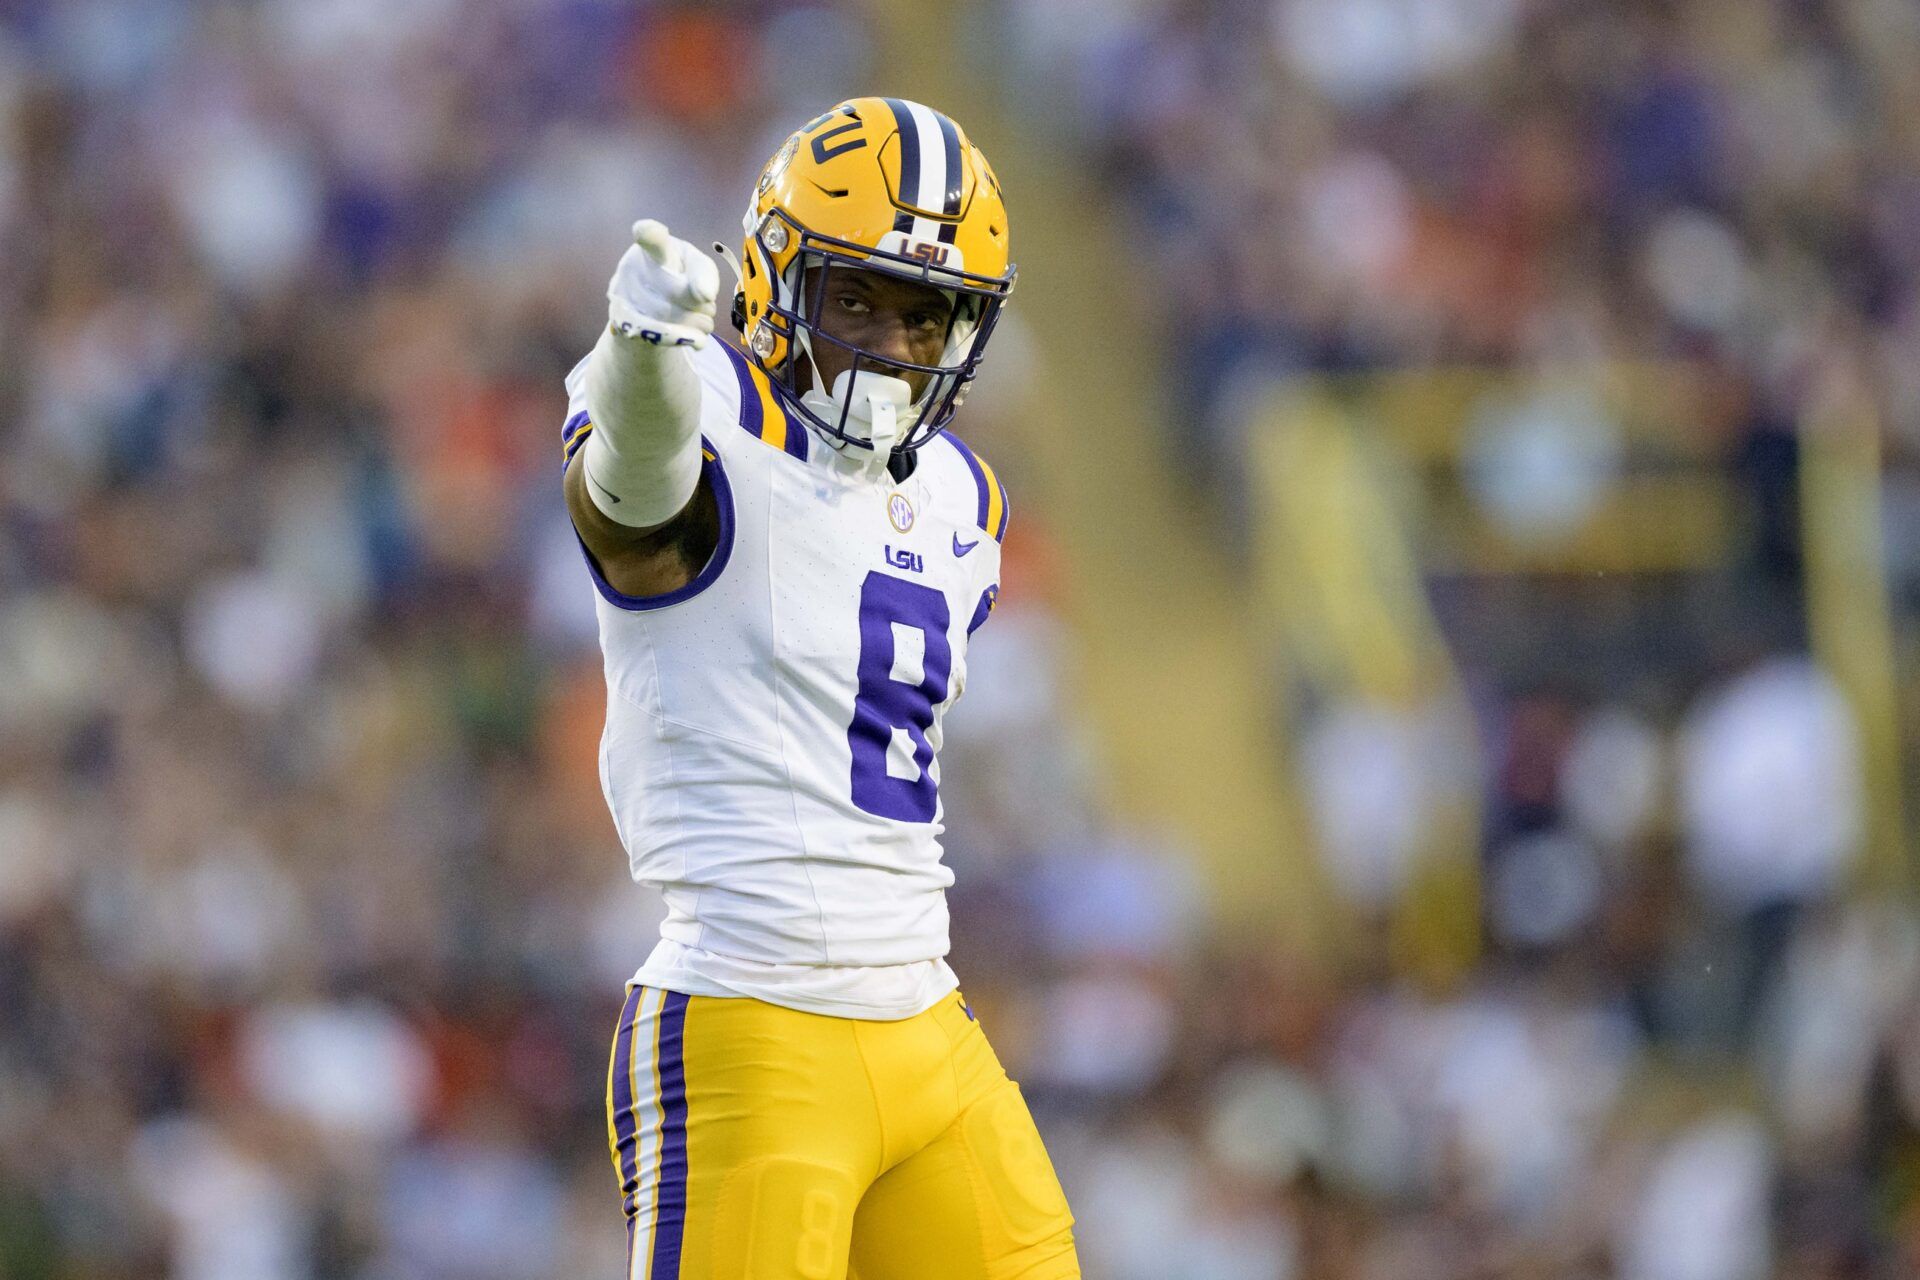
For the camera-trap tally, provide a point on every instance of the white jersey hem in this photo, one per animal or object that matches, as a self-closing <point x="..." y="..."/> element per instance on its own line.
<point x="876" y="993"/>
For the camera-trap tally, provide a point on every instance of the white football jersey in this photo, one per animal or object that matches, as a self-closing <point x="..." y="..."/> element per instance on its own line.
<point x="770" y="753"/>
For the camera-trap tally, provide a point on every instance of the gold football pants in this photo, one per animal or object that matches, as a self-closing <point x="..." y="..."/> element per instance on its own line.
<point x="755" y="1142"/>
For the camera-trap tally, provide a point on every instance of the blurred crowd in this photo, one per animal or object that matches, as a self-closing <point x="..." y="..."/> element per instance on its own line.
<point x="1689" y="1049"/>
<point x="312" y="924"/>
<point x="1361" y="184"/>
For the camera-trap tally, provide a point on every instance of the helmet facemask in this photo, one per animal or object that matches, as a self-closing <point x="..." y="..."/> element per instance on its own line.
<point x="795" y="310"/>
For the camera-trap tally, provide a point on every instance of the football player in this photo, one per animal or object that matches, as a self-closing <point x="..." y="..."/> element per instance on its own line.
<point x="791" y="551"/>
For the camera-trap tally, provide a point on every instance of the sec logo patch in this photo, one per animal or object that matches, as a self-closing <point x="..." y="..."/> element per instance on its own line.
<point x="900" y="512"/>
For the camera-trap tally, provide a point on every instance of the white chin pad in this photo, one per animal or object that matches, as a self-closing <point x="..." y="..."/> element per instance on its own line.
<point x="879" y="407"/>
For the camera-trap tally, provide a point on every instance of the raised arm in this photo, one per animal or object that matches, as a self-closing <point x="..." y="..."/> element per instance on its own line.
<point x="634" y="488"/>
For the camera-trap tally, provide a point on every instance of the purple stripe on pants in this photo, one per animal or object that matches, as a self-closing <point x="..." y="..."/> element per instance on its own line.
<point x="625" y="1122"/>
<point x="672" y="1215"/>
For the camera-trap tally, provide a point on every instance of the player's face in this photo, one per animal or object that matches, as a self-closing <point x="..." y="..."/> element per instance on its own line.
<point x="899" y="319"/>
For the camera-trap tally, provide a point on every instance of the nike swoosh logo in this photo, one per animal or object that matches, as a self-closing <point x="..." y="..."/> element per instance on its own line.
<point x="961" y="548"/>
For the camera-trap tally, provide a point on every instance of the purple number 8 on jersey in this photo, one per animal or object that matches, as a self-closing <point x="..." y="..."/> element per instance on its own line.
<point x="885" y="703"/>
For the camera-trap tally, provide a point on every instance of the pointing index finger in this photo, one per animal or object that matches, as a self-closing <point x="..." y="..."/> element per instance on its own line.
<point x="654" y="240"/>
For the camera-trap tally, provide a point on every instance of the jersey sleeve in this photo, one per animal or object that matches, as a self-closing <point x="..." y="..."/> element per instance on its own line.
<point x="573" y="432"/>
<point x="719" y="410"/>
<point x="736" y="397"/>
<point x="984" y="499"/>
<point x="727" y="397"/>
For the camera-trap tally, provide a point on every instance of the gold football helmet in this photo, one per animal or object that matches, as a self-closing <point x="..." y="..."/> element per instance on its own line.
<point x="879" y="184"/>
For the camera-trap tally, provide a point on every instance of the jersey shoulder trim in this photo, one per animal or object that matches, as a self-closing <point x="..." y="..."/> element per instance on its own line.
<point x="716" y="478"/>
<point x="573" y="435"/>
<point x="988" y="599"/>
<point x="993" y="510"/>
<point x="760" y="413"/>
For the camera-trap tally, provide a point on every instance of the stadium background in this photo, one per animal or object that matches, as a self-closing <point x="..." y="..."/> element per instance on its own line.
<point x="1432" y="801"/>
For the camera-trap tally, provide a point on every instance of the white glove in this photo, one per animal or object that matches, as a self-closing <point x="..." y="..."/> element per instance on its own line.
<point x="663" y="291"/>
<point x="642" y="461"/>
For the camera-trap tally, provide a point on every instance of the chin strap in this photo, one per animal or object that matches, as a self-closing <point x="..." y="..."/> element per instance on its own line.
<point x="732" y="259"/>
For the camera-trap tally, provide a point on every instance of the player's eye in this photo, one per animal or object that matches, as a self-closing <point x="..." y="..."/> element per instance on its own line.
<point x="926" y="321"/>
<point x="849" y="303"/>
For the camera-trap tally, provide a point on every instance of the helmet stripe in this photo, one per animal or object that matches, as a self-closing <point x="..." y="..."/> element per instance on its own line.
<point x="950" y="136"/>
<point x="930" y="172"/>
<point x="932" y="193"/>
<point x="909" y="192"/>
<point x="950" y="153"/>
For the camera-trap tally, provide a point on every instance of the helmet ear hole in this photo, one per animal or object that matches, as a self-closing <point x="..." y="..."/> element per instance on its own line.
<point x="739" y="316"/>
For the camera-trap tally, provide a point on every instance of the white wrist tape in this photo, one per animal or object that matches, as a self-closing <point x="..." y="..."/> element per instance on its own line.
<point x="643" y="458"/>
